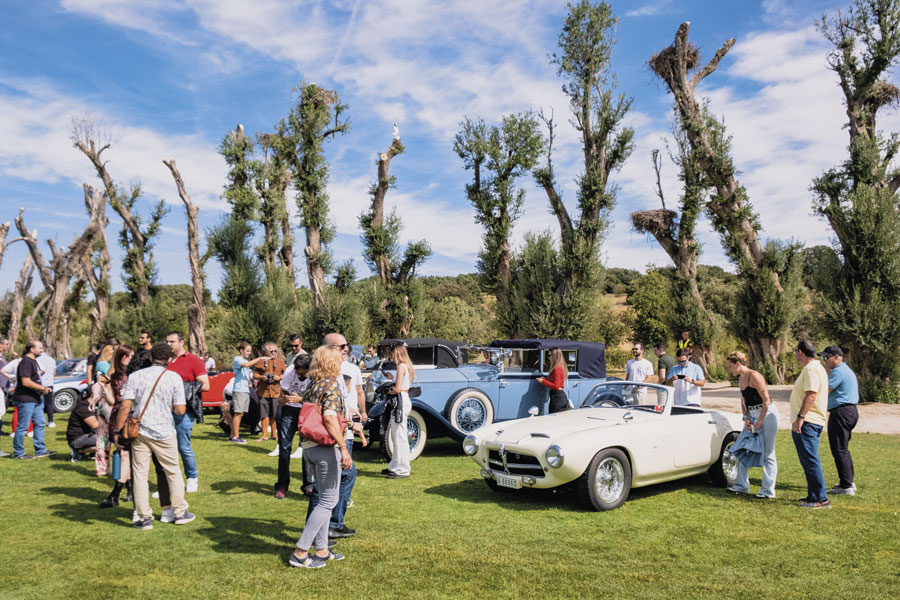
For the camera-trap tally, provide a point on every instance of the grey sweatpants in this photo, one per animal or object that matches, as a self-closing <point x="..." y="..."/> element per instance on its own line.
<point x="326" y="461"/>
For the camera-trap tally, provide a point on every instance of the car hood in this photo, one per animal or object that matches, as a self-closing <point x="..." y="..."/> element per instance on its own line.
<point x="554" y="426"/>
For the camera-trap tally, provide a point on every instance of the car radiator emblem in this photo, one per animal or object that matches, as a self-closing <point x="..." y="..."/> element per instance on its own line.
<point x="503" y="457"/>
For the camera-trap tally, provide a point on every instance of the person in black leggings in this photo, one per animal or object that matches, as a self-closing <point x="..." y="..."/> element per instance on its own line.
<point x="556" y="381"/>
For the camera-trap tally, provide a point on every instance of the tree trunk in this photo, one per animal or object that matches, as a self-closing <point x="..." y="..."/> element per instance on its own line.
<point x="4" y="229"/>
<point x="30" y="333"/>
<point x="23" y="284"/>
<point x="286" y="254"/>
<point x="197" y="310"/>
<point x="314" y="269"/>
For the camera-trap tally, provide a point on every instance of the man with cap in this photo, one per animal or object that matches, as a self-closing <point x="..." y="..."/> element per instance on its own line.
<point x="809" y="401"/>
<point x="843" y="396"/>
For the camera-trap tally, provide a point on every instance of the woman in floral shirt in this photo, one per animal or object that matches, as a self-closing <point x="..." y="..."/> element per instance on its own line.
<point x="327" y="461"/>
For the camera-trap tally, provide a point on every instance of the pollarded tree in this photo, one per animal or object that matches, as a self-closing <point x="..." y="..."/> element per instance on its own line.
<point x="770" y="273"/>
<point x="675" y="233"/>
<point x="237" y="150"/>
<point x="277" y="147"/>
<point x="393" y="306"/>
<point x="497" y="156"/>
<point x="859" y="198"/>
<point x="22" y="285"/>
<point x="585" y="44"/>
<point x="316" y="117"/>
<point x="136" y="238"/>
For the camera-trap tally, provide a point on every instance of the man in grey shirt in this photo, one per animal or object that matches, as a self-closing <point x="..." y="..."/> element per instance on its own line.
<point x="162" y="393"/>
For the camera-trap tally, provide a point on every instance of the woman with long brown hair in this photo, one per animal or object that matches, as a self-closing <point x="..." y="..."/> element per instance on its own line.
<point x="556" y="380"/>
<point x="327" y="460"/>
<point x="399" y="467"/>
<point x="107" y="412"/>
<point x="760" y="416"/>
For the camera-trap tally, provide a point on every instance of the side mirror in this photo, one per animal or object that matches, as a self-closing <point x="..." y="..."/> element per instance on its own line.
<point x="533" y="411"/>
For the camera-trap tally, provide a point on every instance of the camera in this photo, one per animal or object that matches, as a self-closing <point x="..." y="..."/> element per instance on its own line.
<point x="270" y="378"/>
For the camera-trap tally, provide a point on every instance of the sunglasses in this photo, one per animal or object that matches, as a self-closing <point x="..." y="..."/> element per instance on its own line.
<point x="635" y="349"/>
<point x="272" y="351"/>
<point x="295" y="345"/>
<point x="341" y="346"/>
<point x="682" y="362"/>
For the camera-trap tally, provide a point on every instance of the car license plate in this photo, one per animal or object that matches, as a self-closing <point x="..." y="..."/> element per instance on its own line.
<point x="508" y="482"/>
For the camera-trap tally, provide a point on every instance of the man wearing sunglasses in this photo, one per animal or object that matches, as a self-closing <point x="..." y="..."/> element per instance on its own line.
<point x="687" y="378"/>
<point x="296" y="350"/>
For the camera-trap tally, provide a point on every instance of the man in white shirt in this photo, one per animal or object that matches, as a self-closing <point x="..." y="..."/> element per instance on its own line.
<point x="293" y="384"/>
<point x="162" y="393"/>
<point x="209" y="362"/>
<point x="687" y="378"/>
<point x="638" y="369"/>
<point x="48" y="370"/>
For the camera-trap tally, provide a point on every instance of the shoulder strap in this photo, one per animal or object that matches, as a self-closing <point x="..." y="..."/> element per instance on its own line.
<point x="150" y="397"/>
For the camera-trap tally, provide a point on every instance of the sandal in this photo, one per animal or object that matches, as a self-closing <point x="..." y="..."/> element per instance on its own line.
<point x="262" y="439"/>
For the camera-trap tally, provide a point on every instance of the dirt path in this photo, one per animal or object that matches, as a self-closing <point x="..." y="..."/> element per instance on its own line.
<point x="873" y="418"/>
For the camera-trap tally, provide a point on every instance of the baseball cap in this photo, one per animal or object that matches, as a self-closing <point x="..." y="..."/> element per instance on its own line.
<point x="832" y="351"/>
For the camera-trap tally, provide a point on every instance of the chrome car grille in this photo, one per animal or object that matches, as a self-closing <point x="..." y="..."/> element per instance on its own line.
<point x="516" y="464"/>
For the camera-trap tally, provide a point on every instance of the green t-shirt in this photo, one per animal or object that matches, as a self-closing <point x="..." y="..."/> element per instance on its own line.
<point x="665" y="362"/>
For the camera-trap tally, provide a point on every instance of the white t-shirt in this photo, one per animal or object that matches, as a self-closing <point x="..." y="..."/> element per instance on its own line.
<point x="210" y="364"/>
<point x="351" y="377"/>
<point x="293" y="385"/>
<point x="638" y="370"/>
<point x="48" y="369"/>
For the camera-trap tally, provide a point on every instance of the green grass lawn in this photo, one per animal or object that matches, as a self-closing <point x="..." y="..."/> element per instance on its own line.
<point x="443" y="534"/>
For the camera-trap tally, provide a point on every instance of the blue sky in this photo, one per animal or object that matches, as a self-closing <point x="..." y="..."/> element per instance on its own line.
<point x="170" y="78"/>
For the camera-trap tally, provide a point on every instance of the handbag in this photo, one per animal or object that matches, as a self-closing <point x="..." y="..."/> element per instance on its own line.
<point x="132" y="428"/>
<point x="312" y="425"/>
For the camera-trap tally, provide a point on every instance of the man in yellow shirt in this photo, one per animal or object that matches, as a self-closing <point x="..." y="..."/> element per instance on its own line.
<point x="809" y="401"/>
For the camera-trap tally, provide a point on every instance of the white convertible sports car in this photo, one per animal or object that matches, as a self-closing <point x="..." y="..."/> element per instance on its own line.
<point x="624" y="435"/>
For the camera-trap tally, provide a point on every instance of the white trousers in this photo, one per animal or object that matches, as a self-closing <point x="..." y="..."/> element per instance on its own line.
<point x="399" y="434"/>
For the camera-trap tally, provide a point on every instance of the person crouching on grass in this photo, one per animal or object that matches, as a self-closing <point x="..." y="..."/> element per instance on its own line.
<point x="324" y="390"/>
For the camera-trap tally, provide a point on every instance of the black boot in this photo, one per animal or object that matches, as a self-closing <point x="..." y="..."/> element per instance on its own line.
<point x="113" y="498"/>
<point x="129" y="492"/>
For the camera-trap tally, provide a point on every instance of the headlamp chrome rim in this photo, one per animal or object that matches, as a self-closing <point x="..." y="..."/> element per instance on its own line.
<point x="470" y="445"/>
<point x="554" y="456"/>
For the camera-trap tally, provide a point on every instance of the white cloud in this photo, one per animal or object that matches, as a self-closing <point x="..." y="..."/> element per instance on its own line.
<point x="36" y="120"/>
<point x="652" y="9"/>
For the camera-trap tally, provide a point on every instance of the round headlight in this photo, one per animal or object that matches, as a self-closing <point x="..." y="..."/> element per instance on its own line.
<point x="554" y="456"/>
<point x="470" y="445"/>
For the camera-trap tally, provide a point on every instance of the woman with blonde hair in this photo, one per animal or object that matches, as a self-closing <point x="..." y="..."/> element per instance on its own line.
<point x="399" y="468"/>
<point x="760" y="416"/>
<point x="326" y="460"/>
<point x="556" y="380"/>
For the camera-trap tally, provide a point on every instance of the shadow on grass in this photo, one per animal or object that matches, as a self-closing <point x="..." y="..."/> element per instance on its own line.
<point x="476" y="491"/>
<point x="241" y="487"/>
<point x="88" y="509"/>
<point x="246" y="535"/>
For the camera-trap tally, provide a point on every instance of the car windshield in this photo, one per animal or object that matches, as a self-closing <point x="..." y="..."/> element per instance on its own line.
<point x="71" y="366"/>
<point x="624" y="394"/>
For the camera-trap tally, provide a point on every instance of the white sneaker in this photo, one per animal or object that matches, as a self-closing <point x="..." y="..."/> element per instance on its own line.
<point x="31" y="434"/>
<point x="51" y="425"/>
<point x="274" y="452"/>
<point x="191" y="485"/>
<point x="155" y="494"/>
<point x="135" y="518"/>
<point x="837" y="490"/>
<point x="298" y="453"/>
<point x="168" y="515"/>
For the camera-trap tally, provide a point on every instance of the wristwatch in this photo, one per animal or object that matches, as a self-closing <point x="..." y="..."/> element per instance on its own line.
<point x="801" y="416"/>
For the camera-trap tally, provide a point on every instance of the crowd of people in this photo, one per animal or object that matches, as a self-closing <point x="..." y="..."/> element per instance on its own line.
<point x="160" y="385"/>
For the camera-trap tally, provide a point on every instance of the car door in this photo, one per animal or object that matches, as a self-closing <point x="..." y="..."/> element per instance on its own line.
<point x="693" y="432"/>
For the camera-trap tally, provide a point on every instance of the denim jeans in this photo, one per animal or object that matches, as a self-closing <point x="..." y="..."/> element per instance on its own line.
<point x="184" y="424"/>
<point x="807" y="444"/>
<point x="770" y="465"/>
<point x="29" y="412"/>
<point x="348" y="480"/>
<point x="287" y="429"/>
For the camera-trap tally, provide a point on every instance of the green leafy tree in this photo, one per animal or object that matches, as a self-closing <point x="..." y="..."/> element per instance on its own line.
<point x="859" y="198"/>
<point x="498" y="156"/>
<point x="651" y="299"/>
<point x="395" y="296"/>
<point x="316" y="117"/>
<point x="586" y="44"/>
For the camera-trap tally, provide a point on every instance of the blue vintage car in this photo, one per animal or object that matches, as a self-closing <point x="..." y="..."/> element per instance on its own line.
<point x="491" y="383"/>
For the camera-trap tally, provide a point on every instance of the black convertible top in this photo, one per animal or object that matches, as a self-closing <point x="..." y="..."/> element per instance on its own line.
<point x="591" y="355"/>
<point x="446" y="353"/>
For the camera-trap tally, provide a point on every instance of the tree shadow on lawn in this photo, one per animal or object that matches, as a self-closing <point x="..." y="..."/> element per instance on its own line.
<point x="241" y="487"/>
<point x="247" y="535"/>
<point x="87" y="511"/>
